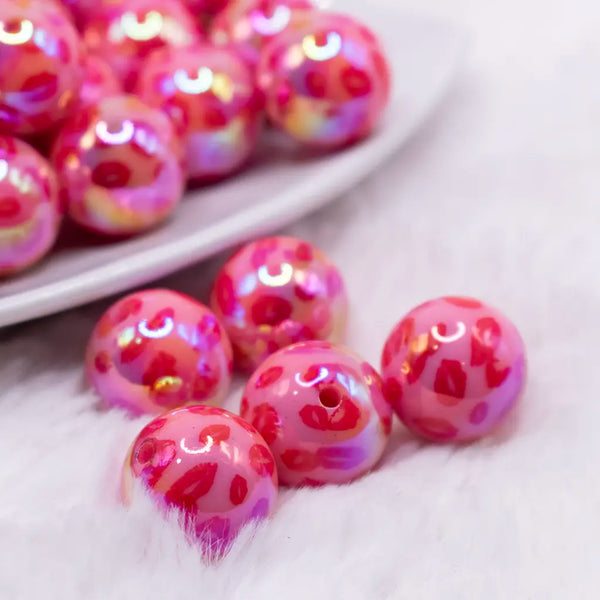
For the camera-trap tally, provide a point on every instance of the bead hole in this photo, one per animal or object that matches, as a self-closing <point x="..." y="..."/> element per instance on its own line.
<point x="329" y="397"/>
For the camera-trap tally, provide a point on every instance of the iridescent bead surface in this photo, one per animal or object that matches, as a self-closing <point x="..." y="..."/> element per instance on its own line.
<point x="40" y="66"/>
<point x="99" y="81"/>
<point x="321" y="410"/>
<point x="326" y="84"/>
<point x="125" y="32"/>
<point x="453" y="368"/>
<point x="211" y="96"/>
<point x="277" y="291"/>
<point x="120" y="166"/>
<point x="248" y="25"/>
<point x="156" y="350"/>
<point x="210" y="465"/>
<point x="30" y="213"/>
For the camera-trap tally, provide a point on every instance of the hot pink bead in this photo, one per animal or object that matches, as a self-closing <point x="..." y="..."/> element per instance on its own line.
<point x="156" y="350"/>
<point x="322" y="411"/>
<point x="40" y="66"/>
<point x="211" y="96"/>
<point x="249" y="25"/>
<point x="277" y="291"/>
<point x="30" y="213"/>
<point x="326" y="84"/>
<point x="453" y="368"/>
<point x="120" y="166"/>
<point x="125" y="32"/>
<point x="209" y="464"/>
<point x="99" y="81"/>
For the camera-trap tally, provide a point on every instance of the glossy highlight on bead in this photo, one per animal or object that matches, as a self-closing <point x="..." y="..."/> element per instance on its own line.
<point x="30" y="212"/>
<point x="453" y="368"/>
<point x="156" y="350"/>
<point x="277" y="291"/>
<point x="321" y="410"/>
<point x="120" y="166"/>
<point x="209" y="464"/>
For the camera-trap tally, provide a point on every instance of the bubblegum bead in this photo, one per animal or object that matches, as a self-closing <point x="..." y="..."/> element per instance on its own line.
<point x="211" y="96"/>
<point x="275" y="292"/>
<point x="321" y="410"/>
<point x="453" y="368"/>
<point x="210" y="465"/>
<point x="120" y="166"/>
<point x="30" y="212"/>
<point x="99" y="81"/>
<point x="40" y="66"/>
<point x="249" y="25"/>
<point x="125" y="32"/>
<point x="326" y="84"/>
<point x="156" y="350"/>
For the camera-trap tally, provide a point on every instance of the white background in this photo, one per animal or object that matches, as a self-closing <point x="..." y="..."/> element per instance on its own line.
<point x="498" y="197"/>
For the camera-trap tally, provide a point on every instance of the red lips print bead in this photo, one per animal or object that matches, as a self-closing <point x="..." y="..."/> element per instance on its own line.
<point x="453" y="368"/>
<point x="125" y="32"/>
<point x="210" y="95"/>
<point x="275" y="292"/>
<point x="322" y="411"/>
<point x="156" y="350"/>
<point x="40" y="66"/>
<point x="120" y="166"/>
<point x="209" y="464"/>
<point x="30" y="214"/>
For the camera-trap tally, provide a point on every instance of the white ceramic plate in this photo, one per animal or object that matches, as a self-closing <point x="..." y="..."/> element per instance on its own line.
<point x="280" y="188"/>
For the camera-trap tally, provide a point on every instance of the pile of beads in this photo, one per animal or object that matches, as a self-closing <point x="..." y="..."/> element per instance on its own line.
<point x="132" y="100"/>
<point x="313" y="412"/>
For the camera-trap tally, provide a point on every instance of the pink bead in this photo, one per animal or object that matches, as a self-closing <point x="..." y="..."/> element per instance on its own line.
<point x="211" y="96"/>
<point x="156" y="350"/>
<point x="120" y="166"/>
<point x="99" y="81"/>
<point x="453" y="368"/>
<point x="207" y="8"/>
<point x="249" y="25"/>
<point x="322" y="411"/>
<point x="277" y="291"/>
<point x="40" y="66"/>
<point x="125" y="32"/>
<point x="326" y="84"/>
<point x="209" y="464"/>
<point x="30" y="213"/>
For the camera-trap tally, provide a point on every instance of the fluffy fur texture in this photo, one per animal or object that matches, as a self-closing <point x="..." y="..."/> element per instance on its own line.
<point x="496" y="198"/>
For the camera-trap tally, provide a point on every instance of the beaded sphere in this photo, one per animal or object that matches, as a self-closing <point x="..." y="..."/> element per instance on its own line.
<point x="156" y="350"/>
<point x="120" y="166"/>
<point x="30" y="212"/>
<point x="210" y="95"/>
<point x="453" y="368"/>
<point x="40" y="66"/>
<point x="209" y="464"/>
<point x="99" y="81"/>
<point x="321" y="410"/>
<point x="326" y="84"/>
<point x="125" y="32"/>
<point x="249" y="25"/>
<point x="277" y="291"/>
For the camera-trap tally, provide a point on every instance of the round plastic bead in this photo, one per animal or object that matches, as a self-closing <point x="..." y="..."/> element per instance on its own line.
<point x="321" y="410"/>
<point x="99" y="81"/>
<point x="120" y="166"/>
<point x="125" y="32"/>
<point x="453" y="368"/>
<point x="210" y="465"/>
<point x="40" y="66"/>
<point x="249" y="25"/>
<point x="277" y="291"/>
<point x="156" y="350"/>
<point x="211" y="96"/>
<point x="326" y="84"/>
<point x="30" y="213"/>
